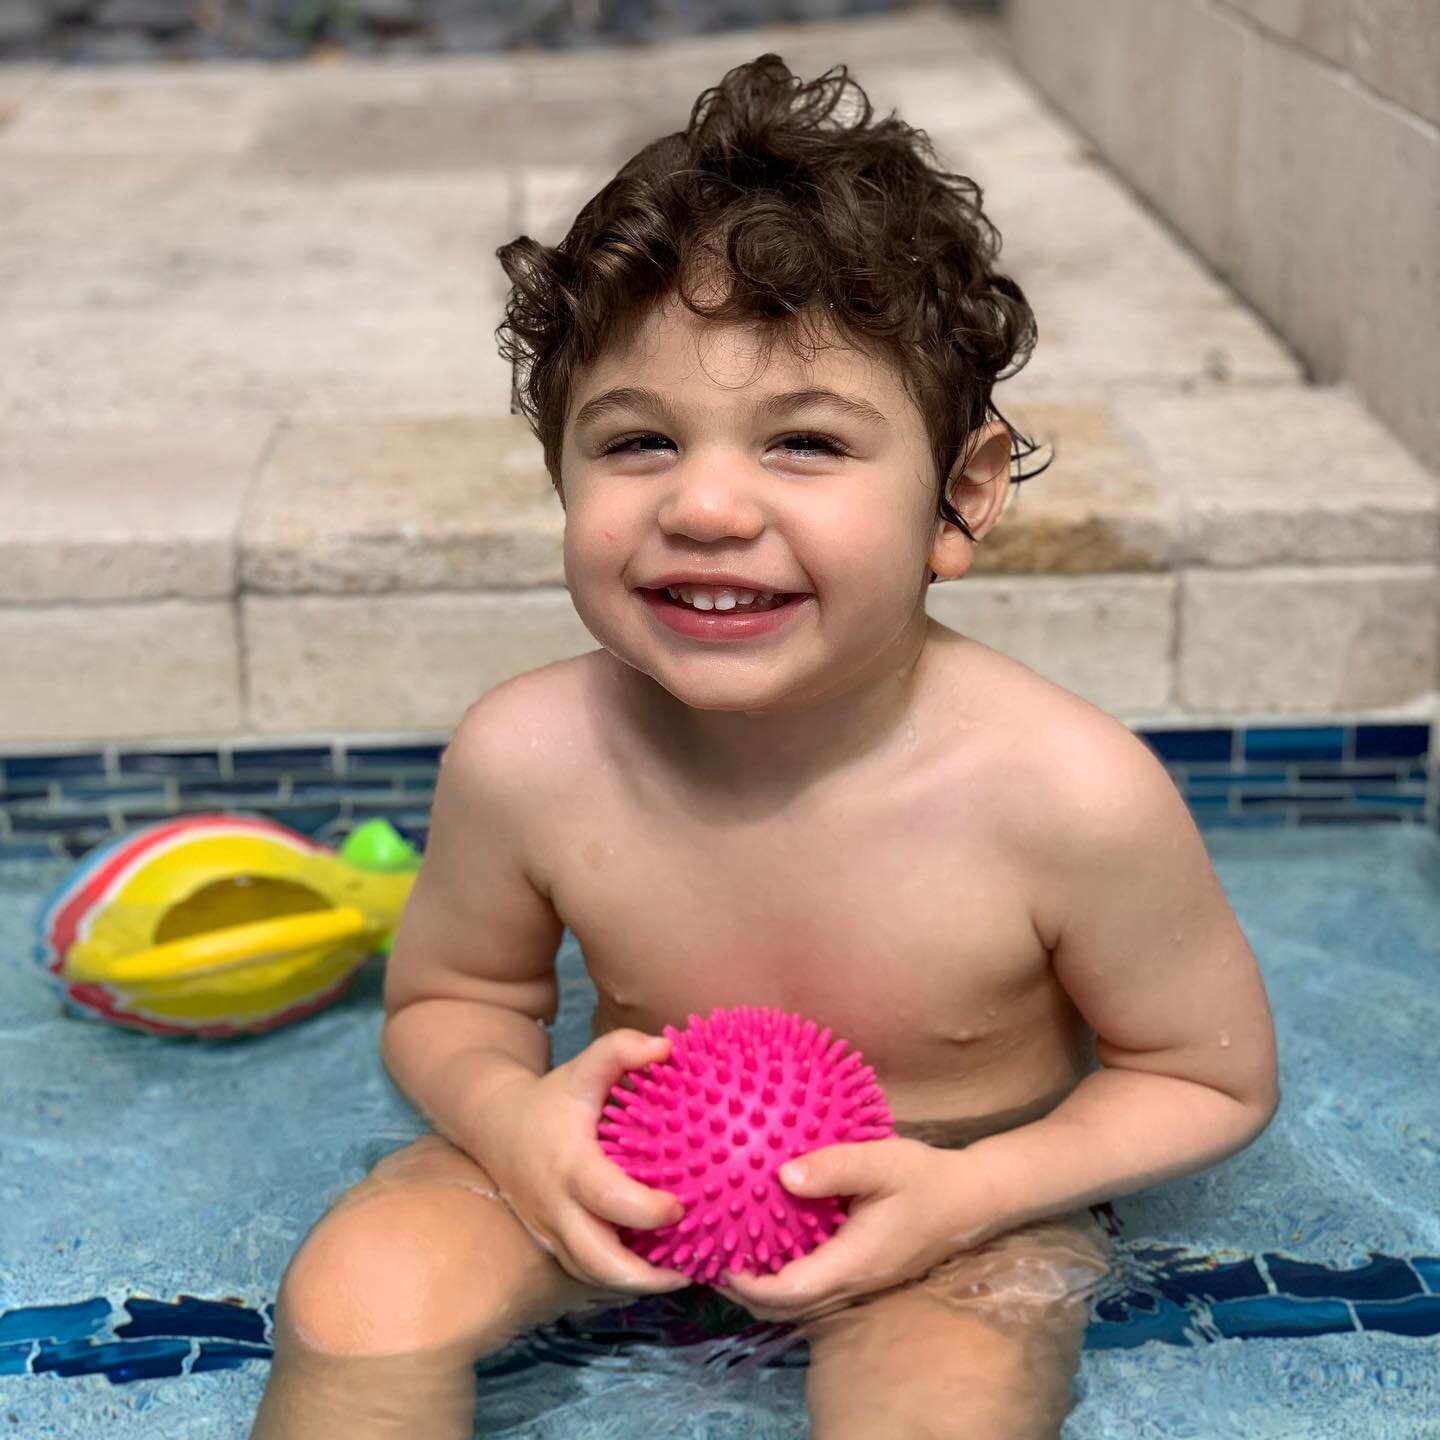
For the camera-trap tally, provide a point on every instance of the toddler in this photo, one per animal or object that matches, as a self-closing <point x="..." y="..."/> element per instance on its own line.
<point x="760" y="366"/>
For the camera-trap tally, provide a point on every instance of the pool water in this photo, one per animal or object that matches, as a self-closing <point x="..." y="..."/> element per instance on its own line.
<point x="152" y="1191"/>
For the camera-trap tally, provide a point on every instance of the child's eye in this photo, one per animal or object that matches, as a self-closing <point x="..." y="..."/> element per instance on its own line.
<point x="812" y="441"/>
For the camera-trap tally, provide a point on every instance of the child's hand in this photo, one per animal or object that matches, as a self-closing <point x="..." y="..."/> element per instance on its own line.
<point x="910" y="1211"/>
<point x="543" y="1151"/>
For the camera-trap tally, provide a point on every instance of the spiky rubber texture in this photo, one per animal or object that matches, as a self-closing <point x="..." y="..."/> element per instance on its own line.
<point x="741" y="1093"/>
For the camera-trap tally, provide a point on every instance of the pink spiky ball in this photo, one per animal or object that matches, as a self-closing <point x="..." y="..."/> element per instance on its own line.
<point x="741" y="1093"/>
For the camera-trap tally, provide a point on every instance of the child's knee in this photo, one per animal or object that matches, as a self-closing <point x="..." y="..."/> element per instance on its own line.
<point x="398" y="1270"/>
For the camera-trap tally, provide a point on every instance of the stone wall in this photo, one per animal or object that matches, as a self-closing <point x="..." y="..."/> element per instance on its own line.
<point x="1296" y="145"/>
<point x="143" y="30"/>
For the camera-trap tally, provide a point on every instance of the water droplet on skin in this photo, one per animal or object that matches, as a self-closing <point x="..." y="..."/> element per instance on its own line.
<point x="991" y="1011"/>
<point x="1224" y="1039"/>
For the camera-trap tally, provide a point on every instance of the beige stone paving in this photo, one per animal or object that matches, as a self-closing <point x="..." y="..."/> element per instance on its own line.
<point x="246" y="330"/>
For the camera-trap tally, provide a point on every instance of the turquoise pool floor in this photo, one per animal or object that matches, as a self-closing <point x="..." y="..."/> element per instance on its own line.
<point x="138" y="1170"/>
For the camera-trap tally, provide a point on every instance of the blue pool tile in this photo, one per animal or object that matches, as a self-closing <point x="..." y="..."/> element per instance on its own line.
<point x="53" y="767"/>
<point x="1382" y="1277"/>
<point x="1297" y="742"/>
<point x="1278" y="1316"/>
<point x="170" y="762"/>
<point x="1355" y="817"/>
<point x="1310" y="799"/>
<point x="282" y="761"/>
<point x="101" y="792"/>
<point x="119" y="1362"/>
<point x="371" y="757"/>
<point x="1168" y="1323"/>
<point x="258" y="789"/>
<point x="1235" y="778"/>
<point x="1419" y="1315"/>
<point x="1371" y="775"/>
<point x="1391" y="801"/>
<point x="1178" y="747"/>
<point x="227" y="1355"/>
<point x="15" y="1359"/>
<point x="28" y="850"/>
<point x="57" y="822"/>
<point x="355" y="785"/>
<point x="1427" y="1267"/>
<point x="1405" y="741"/>
<point x="55" y="1322"/>
<point x="1254" y="821"/>
<point x="1238" y="1280"/>
<point x="1209" y="803"/>
<point x="20" y="792"/>
<point x="191" y="1317"/>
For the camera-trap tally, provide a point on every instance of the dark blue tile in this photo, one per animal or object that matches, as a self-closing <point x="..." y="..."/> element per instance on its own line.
<point x="1297" y="742"/>
<point x="102" y="791"/>
<point x="189" y="1316"/>
<point x="1277" y="1316"/>
<point x="120" y="1361"/>
<point x="1168" y="1323"/>
<point x="1209" y="803"/>
<point x="170" y="762"/>
<point x="227" y="1355"/>
<point x="257" y="789"/>
<point x="1237" y="1280"/>
<point x="1309" y="800"/>
<point x="355" y="785"/>
<point x="1427" y="1267"/>
<point x="1417" y="1316"/>
<point x="1382" y="1277"/>
<point x="19" y="792"/>
<point x="1371" y="775"/>
<point x="52" y="767"/>
<point x="392" y="757"/>
<point x="56" y="822"/>
<point x="1176" y="747"/>
<point x="1390" y="801"/>
<point x="1404" y="741"/>
<point x="419" y="784"/>
<point x="1354" y="817"/>
<point x="282" y="761"/>
<point x="1237" y="778"/>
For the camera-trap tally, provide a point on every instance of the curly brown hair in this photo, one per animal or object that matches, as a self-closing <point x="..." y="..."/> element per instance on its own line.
<point x="805" y="211"/>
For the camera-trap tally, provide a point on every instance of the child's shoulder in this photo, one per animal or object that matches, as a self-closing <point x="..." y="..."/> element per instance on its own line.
<point x="518" y="730"/>
<point x="1069" y="764"/>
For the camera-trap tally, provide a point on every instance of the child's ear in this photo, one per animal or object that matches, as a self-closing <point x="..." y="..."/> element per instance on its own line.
<point x="978" y="492"/>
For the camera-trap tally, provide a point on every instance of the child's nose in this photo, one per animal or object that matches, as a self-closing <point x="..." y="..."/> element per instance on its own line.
<point x="711" y="502"/>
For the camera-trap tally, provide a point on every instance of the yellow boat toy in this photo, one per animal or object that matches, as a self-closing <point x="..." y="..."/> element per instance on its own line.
<point x="222" y="924"/>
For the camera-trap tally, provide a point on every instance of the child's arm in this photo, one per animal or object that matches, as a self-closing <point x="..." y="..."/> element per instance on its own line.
<point x="1154" y="959"/>
<point x="472" y="970"/>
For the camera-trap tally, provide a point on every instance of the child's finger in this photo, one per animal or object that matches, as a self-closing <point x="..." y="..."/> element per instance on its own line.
<point x="598" y="1251"/>
<point x="601" y="1064"/>
<point x="607" y="1191"/>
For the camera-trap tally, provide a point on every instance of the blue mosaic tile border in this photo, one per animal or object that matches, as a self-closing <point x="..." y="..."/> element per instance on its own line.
<point x="64" y="802"/>
<point x="1189" y="1300"/>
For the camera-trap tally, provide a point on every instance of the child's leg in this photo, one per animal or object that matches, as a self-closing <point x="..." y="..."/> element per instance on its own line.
<point x="414" y="1275"/>
<point x="983" y="1347"/>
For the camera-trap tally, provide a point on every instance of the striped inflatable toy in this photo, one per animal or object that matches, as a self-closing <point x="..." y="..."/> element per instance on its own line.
<point x="221" y="924"/>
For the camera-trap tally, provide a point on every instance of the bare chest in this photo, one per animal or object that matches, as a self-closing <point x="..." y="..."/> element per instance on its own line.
<point x="898" y="918"/>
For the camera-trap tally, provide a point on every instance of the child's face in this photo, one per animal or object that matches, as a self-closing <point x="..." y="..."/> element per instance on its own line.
<point x="717" y="485"/>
